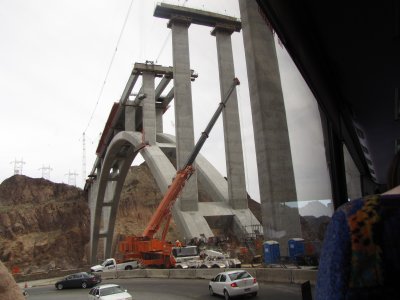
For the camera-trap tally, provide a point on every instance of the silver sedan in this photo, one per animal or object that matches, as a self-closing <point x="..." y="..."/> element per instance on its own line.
<point x="109" y="292"/>
<point x="233" y="283"/>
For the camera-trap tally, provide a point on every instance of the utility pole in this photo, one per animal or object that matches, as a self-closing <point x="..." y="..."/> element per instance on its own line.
<point x="72" y="178"/>
<point x="46" y="172"/>
<point x="18" y="164"/>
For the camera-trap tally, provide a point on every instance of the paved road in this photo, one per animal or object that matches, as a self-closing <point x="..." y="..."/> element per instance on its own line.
<point x="165" y="289"/>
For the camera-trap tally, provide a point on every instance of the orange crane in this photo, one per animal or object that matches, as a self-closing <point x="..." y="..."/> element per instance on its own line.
<point x="147" y="249"/>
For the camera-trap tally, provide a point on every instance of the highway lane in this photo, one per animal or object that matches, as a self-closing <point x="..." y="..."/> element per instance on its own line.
<point x="165" y="289"/>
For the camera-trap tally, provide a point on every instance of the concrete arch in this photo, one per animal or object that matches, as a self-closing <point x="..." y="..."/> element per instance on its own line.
<point x="106" y="190"/>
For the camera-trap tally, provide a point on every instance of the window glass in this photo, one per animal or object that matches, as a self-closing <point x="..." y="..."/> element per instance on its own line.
<point x="109" y="263"/>
<point x="111" y="290"/>
<point x="223" y="278"/>
<point x="239" y="275"/>
<point x="185" y="251"/>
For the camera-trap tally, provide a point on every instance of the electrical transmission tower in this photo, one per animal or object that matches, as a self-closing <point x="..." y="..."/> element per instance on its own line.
<point x="46" y="172"/>
<point x="72" y="178"/>
<point x="18" y="164"/>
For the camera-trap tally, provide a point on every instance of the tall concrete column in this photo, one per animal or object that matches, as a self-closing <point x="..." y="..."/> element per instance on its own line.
<point x="93" y="191"/>
<point x="274" y="161"/>
<point x="159" y="119"/>
<point x="130" y="112"/>
<point x="149" y="109"/>
<point x="183" y="107"/>
<point x="231" y="121"/>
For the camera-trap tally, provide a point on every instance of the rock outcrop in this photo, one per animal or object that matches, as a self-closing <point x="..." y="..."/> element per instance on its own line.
<point x="9" y="290"/>
<point x="43" y="225"/>
<point x="140" y="197"/>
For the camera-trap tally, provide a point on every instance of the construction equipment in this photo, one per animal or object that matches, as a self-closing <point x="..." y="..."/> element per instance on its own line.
<point x="147" y="249"/>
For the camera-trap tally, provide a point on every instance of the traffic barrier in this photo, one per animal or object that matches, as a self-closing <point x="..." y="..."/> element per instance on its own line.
<point x="278" y="275"/>
<point x="207" y="273"/>
<point x="182" y="273"/>
<point x="108" y="275"/>
<point x="138" y="273"/>
<point x="158" y="273"/>
<point x="274" y="275"/>
<point x="53" y="273"/>
<point x="301" y="276"/>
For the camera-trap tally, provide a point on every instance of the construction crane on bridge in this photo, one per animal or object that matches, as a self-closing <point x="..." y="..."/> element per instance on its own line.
<point x="147" y="249"/>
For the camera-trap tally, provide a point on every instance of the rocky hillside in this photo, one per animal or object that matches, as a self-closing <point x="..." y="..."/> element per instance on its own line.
<point x="42" y="225"/>
<point x="140" y="197"/>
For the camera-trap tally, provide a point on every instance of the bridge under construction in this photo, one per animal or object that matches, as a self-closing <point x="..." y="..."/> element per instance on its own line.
<point x="135" y="126"/>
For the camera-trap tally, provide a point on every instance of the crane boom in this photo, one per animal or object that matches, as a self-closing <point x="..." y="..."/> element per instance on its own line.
<point x="164" y="209"/>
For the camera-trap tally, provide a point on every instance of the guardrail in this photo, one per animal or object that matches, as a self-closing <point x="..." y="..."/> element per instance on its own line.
<point x="276" y="275"/>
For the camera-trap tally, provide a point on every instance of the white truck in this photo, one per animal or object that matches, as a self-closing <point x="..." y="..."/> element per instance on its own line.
<point x="111" y="264"/>
<point x="213" y="259"/>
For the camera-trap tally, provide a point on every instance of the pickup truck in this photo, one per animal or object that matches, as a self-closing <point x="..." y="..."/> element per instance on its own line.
<point x="111" y="264"/>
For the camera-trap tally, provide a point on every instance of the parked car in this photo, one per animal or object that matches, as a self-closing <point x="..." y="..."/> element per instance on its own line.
<point x="78" y="280"/>
<point x="233" y="283"/>
<point x="109" y="292"/>
<point x="111" y="264"/>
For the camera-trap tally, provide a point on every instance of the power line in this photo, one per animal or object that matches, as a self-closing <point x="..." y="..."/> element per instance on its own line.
<point x="110" y="65"/>
<point x="163" y="45"/>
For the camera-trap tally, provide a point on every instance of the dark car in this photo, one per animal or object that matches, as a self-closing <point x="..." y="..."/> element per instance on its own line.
<point x="78" y="280"/>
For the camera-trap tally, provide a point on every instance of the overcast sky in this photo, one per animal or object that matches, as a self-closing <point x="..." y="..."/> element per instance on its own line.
<point x="56" y="83"/>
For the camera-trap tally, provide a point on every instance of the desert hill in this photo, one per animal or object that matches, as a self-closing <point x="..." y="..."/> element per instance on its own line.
<point x="43" y="225"/>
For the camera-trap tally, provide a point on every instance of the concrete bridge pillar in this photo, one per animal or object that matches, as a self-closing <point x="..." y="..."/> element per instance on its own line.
<point x="274" y="160"/>
<point x="149" y="109"/>
<point x="183" y="107"/>
<point x="231" y="121"/>
<point x="94" y="239"/>
<point x="159" y="119"/>
<point x="130" y="120"/>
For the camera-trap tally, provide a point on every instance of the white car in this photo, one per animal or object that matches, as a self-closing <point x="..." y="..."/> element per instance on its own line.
<point x="109" y="292"/>
<point x="233" y="283"/>
<point x="111" y="264"/>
